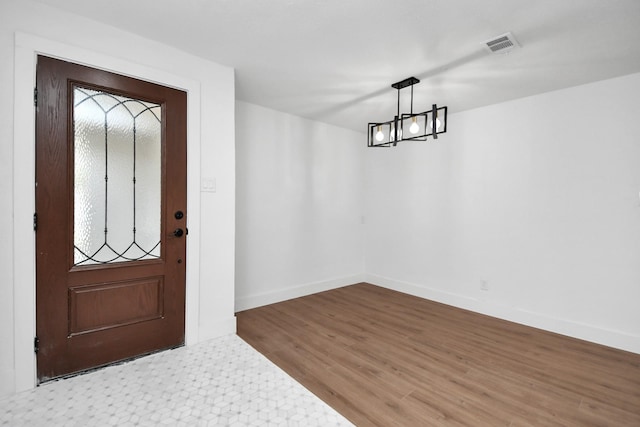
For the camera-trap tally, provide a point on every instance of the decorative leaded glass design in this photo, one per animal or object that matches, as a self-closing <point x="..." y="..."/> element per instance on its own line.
<point x="117" y="178"/>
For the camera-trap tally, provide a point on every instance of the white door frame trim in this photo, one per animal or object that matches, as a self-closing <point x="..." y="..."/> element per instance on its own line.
<point x="27" y="48"/>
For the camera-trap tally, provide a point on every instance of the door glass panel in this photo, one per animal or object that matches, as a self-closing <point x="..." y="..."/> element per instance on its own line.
<point x="117" y="178"/>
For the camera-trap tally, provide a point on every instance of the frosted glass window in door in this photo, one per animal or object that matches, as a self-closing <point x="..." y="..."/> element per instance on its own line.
<point x="117" y="178"/>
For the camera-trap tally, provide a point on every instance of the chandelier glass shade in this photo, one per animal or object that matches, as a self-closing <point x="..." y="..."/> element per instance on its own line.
<point x="408" y="126"/>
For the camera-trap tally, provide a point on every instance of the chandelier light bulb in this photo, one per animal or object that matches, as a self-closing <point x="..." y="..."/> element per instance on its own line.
<point x="392" y="134"/>
<point x="414" y="128"/>
<point x="379" y="134"/>
<point x="438" y="124"/>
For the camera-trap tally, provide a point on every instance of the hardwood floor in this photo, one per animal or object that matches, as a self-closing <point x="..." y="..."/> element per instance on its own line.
<point x="383" y="358"/>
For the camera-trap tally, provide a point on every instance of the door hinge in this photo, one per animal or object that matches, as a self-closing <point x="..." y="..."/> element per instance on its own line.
<point x="35" y="221"/>
<point x="36" y="345"/>
<point x="35" y="96"/>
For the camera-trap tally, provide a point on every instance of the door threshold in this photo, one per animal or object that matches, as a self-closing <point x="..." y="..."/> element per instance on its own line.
<point x="106" y="365"/>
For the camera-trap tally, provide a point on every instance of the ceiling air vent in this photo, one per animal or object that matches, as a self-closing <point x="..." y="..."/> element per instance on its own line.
<point x="501" y="44"/>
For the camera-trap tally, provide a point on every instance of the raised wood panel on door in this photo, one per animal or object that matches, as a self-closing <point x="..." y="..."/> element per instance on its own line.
<point x="109" y="305"/>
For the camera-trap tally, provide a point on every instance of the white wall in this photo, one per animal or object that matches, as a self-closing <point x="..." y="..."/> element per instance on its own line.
<point x="538" y="196"/>
<point x="27" y="28"/>
<point x="299" y="206"/>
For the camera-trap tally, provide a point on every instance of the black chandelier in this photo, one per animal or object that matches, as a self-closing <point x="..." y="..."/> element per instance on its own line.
<point x="408" y="126"/>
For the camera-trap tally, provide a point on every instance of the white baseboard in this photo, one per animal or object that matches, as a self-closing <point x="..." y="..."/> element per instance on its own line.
<point x="7" y="387"/>
<point x="611" y="338"/>
<point x="215" y="330"/>
<point x="258" y="300"/>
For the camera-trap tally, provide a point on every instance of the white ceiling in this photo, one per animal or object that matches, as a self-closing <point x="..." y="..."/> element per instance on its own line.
<point x="334" y="60"/>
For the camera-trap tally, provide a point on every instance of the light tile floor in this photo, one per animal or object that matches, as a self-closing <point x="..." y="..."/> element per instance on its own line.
<point x="221" y="382"/>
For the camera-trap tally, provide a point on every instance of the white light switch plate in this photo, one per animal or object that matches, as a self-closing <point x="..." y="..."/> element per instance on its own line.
<point x="208" y="185"/>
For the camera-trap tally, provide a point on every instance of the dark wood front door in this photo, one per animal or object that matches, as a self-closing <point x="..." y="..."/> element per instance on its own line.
<point x="111" y="217"/>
